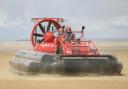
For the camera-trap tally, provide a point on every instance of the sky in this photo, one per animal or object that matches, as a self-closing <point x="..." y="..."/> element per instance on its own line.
<point x="104" y="19"/>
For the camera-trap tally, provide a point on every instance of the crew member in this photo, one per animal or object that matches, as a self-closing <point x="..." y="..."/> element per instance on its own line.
<point x="59" y="41"/>
<point x="69" y="36"/>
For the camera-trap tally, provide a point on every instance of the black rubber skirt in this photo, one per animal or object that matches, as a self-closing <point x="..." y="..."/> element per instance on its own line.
<point x="38" y="62"/>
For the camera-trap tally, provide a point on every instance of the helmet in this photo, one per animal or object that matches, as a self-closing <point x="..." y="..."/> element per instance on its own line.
<point x="68" y="29"/>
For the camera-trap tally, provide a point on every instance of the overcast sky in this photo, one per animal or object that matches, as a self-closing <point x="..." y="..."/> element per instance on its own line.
<point x="103" y="18"/>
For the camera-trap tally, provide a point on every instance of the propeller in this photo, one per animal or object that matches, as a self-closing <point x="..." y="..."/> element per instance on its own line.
<point x="39" y="35"/>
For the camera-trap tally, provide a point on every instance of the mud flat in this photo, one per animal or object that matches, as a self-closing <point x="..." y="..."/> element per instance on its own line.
<point x="10" y="80"/>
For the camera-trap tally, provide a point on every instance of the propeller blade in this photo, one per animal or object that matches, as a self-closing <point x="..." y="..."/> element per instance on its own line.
<point x="48" y="27"/>
<point x="42" y="28"/>
<point x="38" y="35"/>
<point x="42" y="40"/>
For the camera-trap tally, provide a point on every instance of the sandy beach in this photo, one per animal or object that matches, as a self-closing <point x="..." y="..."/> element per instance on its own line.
<point x="11" y="80"/>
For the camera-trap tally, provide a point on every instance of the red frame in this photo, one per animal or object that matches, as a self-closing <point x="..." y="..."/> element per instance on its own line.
<point x="67" y="46"/>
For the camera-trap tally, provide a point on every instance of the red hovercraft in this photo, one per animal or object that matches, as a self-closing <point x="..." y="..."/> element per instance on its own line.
<point x="52" y="55"/>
